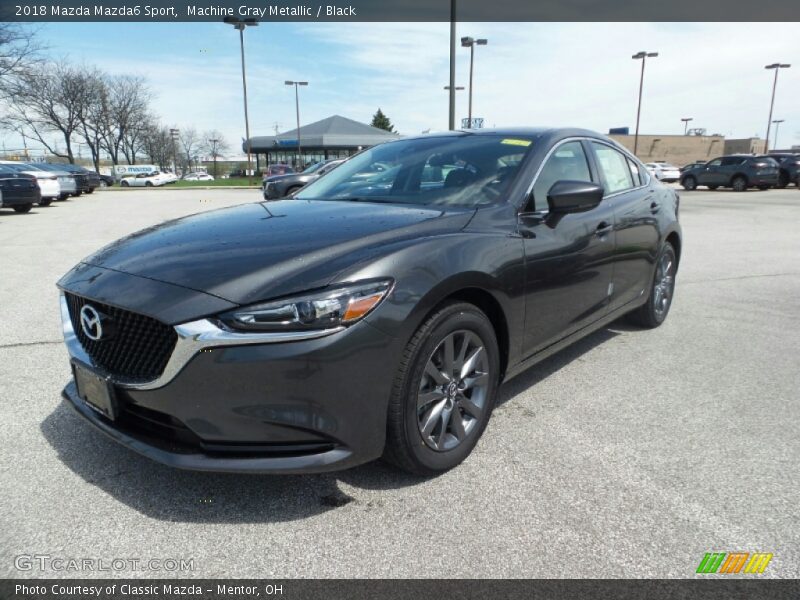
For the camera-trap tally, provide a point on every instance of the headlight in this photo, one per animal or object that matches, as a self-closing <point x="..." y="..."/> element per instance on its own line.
<point x="334" y="307"/>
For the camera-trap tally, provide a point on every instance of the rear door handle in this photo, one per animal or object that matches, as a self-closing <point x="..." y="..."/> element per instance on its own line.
<point x="603" y="228"/>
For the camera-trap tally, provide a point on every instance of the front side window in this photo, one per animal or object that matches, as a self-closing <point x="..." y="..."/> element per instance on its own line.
<point x="567" y="163"/>
<point x="614" y="167"/>
<point x="460" y="170"/>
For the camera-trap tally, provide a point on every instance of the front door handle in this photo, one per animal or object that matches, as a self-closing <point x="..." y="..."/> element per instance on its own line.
<point x="603" y="228"/>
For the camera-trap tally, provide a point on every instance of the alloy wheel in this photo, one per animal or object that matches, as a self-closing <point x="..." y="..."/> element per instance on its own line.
<point x="664" y="285"/>
<point x="453" y="390"/>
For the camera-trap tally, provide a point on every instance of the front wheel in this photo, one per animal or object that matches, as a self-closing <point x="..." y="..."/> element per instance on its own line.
<point x="23" y="208"/>
<point x="148" y="184"/>
<point x="124" y="183"/>
<point x="90" y="191"/>
<point x="444" y="391"/>
<point x="689" y="183"/>
<point x="654" y="312"/>
<point x="739" y="184"/>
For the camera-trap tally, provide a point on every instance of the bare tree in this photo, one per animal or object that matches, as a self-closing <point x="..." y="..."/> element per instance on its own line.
<point x="47" y="101"/>
<point x="214" y="146"/>
<point x="190" y="143"/>
<point x="157" y="144"/>
<point x="93" y="116"/>
<point x="18" y="48"/>
<point x="125" y="116"/>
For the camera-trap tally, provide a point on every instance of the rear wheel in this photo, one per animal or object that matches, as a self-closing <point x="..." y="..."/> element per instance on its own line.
<point x="90" y="191"/>
<point x="783" y="180"/>
<point x="23" y="208"/>
<point x="444" y="391"/>
<point x="655" y="310"/>
<point x="689" y="183"/>
<point x="148" y="184"/>
<point x="45" y="201"/>
<point x="739" y="184"/>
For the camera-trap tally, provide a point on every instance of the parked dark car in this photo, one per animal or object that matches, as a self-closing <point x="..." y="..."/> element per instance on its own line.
<point x="693" y="165"/>
<point x="360" y="320"/>
<point x="106" y="180"/>
<point x="789" y="168"/>
<point x="18" y="191"/>
<point x="276" y="170"/>
<point x="88" y="181"/>
<point x="280" y="186"/>
<point x="737" y="171"/>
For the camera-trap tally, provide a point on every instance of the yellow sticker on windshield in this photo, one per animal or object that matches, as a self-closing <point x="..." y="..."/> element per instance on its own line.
<point x="513" y="142"/>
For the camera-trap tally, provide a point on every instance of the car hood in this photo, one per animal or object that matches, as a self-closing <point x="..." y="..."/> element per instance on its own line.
<point x="254" y="252"/>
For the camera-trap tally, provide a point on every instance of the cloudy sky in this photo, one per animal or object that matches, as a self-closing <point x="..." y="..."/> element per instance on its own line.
<point x="577" y="74"/>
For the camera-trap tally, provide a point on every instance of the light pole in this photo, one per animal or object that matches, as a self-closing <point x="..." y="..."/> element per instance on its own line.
<point x="452" y="86"/>
<point x="174" y="133"/>
<point x="214" y="142"/>
<point x="643" y="56"/>
<point x="777" y="124"/>
<point x="686" y="124"/>
<point x="240" y="24"/>
<point x="297" y="109"/>
<point x="777" y="67"/>
<point x="468" y="42"/>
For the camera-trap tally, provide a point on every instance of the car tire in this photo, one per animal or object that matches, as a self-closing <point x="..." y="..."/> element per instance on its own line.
<point x="739" y="184"/>
<point x="148" y="184"/>
<point x="23" y="208"/>
<point x="77" y="194"/>
<point x="124" y="183"/>
<point x="422" y="437"/>
<point x="292" y="190"/>
<point x="783" y="180"/>
<point x="662" y="290"/>
<point x="90" y="191"/>
<point x="689" y="183"/>
<point x="63" y="197"/>
<point x="45" y="201"/>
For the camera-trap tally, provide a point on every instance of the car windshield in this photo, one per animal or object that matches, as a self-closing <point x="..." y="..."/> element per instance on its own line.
<point x="459" y="170"/>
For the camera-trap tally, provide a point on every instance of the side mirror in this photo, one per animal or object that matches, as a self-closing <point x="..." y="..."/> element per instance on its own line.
<point x="574" y="196"/>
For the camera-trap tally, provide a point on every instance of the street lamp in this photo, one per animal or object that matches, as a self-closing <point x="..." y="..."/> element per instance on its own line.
<point x="643" y="56"/>
<point x="214" y="145"/>
<point x="468" y="42"/>
<point x="777" y="124"/>
<point x="686" y="124"/>
<point x="240" y="24"/>
<point x="173" y="134"/>
<point x="297" y="108"/>
<point x="776" y="67"/>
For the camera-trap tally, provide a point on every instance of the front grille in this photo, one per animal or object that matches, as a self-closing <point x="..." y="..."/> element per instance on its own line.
<point x="133" y="348"/>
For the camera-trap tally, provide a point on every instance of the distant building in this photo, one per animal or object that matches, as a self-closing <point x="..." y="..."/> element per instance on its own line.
<point x="684" y="149"/>
<point x="334" y="137"/>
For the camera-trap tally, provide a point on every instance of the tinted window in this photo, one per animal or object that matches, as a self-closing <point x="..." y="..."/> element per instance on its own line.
<point x="715" y="163"/>
<point x="732" y="160"/>
<point x="459" y="170"/>
<point x="614" y="167"/>
<point x="568" y="162"/>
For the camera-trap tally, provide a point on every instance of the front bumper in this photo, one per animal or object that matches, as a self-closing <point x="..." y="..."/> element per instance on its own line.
<point x="310" y="405"/>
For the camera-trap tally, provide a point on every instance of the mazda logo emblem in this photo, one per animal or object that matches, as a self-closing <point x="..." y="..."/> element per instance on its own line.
<point x="91" y="323"/>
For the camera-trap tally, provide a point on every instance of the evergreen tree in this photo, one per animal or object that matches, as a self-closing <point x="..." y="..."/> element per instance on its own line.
<point x="381" y="121"/>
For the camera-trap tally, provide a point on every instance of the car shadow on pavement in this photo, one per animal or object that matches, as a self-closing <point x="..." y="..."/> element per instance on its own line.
<point x="167" y="494"/>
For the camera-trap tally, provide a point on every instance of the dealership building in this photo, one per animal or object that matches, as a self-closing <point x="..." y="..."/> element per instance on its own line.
<point x="334" y="137"/>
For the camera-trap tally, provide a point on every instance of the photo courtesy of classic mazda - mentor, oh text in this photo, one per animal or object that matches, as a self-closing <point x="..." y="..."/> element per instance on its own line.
<point x="374" y="313"/>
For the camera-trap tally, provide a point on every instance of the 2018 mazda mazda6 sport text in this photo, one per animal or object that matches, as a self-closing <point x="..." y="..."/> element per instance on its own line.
<point x="374" y="314"/>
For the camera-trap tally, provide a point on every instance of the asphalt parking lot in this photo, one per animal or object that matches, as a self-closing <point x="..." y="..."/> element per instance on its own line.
<point x="630" y="454"/>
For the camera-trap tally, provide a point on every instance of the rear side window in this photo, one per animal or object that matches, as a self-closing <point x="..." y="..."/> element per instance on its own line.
<point x="638" y="173"/>
<point x="614" y="167"/>
<point x="568" y="162"/>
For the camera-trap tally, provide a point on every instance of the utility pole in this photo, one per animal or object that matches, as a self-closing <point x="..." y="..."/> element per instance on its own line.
<point x="643" y="56"/>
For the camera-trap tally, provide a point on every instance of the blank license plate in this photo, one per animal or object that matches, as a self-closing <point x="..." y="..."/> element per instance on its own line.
<point x="95" y="389"/>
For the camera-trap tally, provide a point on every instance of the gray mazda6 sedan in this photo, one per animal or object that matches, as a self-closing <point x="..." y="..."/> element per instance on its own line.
<point x="376" y="312"/>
